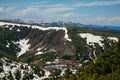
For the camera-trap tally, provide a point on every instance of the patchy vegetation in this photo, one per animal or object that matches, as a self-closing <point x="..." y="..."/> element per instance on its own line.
<point x="57" y="52"/>
<point x="106" y="67"/>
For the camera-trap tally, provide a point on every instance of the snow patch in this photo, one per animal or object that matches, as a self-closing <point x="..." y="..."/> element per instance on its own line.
<point x="2" y="75"/>
<point x="18" y="30"/>
<point x="8" y="23"/>
<point x="115" y="39"/>
<point x="56" y="60"/>
<point x="6" y="68"/>
<point x="80" y="65"/>
<point x="48" y="62"/>
<point x="63" y="72"/>
<point x="47" y="73"/>
<point x="10" y="28"/>
<point x="39" y="53"/>
<point x="23" y="44"/>
<point x="86" y="61"/>
<point x="11" y="66"/>
<point x="39" y="49"/>
<point x="8" y="44"/>
<point x="91" y="39"/>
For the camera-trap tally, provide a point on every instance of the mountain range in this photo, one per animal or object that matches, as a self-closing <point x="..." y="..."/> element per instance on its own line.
<point x="45" y="50"/>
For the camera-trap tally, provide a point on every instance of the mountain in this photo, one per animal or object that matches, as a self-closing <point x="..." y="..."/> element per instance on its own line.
<point x="53" y="50"/>
<point x="73" y="24"/>
<point x="15" y="70"/>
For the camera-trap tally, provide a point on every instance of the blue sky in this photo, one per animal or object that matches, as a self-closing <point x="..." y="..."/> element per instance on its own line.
<point x="101" y="12"/>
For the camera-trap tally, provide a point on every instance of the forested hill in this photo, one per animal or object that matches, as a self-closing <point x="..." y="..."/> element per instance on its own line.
<point x="106" y="67"/>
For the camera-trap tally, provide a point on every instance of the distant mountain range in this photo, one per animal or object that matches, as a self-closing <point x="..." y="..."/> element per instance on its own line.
<point x="73" y="24"/>
<point x="68" y="24"/>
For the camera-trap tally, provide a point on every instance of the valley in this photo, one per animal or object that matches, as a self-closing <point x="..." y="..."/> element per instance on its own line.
<point x="57" y="51"/>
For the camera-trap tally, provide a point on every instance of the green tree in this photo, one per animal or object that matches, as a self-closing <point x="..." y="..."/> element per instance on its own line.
<point x="106" y="67"/>
<point x="18" y="74"/>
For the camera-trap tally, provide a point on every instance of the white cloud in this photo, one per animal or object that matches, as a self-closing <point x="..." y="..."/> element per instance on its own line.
<point x="25" y="12"/>
<point x="100" y="18"/>
<point x="5" y="10"/>
<point x="114" y="19"/>
<point x="43" y="12"/>
<point x="68" y="14"/>
<point x="77" y="4"/>
<point x="50" y="14"/>
<point x="108" y="19"/>
<point x="98" y="3"/>
<point x="57" y="9"/>
<point x="103" y="20"/>
<point x="55" y="14"/>
<point x="43" y="2"/>
<point x="9" y="9"/>
<point x="49" y="5"/>
<point x="1" y="9"/>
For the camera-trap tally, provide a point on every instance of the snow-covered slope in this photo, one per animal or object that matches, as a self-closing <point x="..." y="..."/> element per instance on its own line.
<point x="38" y="27"/>
<point x="91" y="38"/>
<point x="17" y="70"/>
<point x="113" y="39"/>
<point x="24" y="46"/>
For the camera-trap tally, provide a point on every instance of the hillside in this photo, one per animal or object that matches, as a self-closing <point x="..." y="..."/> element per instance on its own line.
<point x="52" y="49"/>
<point x="13" y="69"/>
<point x="107" y="67"/>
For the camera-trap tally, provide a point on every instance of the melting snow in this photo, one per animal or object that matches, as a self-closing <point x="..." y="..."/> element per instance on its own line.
<point x="9" y="66"/>
<point x="8" y="44"/>
<point x="80" y="65"/>
<point x="23" y="44"/>
<point x="8" y="23"/>
<point x="48" y="62"/>
<point x="2" y="75"/>
<point x="47" y="73"/>
<point x="63" y="72"/>
<point x="13" y="66"/>
<point x="6" y="68"/>
<point x="18" y="30"/>
<point x="56" y="61"/>
<point x="113" y="38"/>
<point x="10" y="28"/>
<point x="91" y="39"/>
<point x="38" y="53"/>
<point x="39" y="49"/>
<point x="86" y="61"/>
